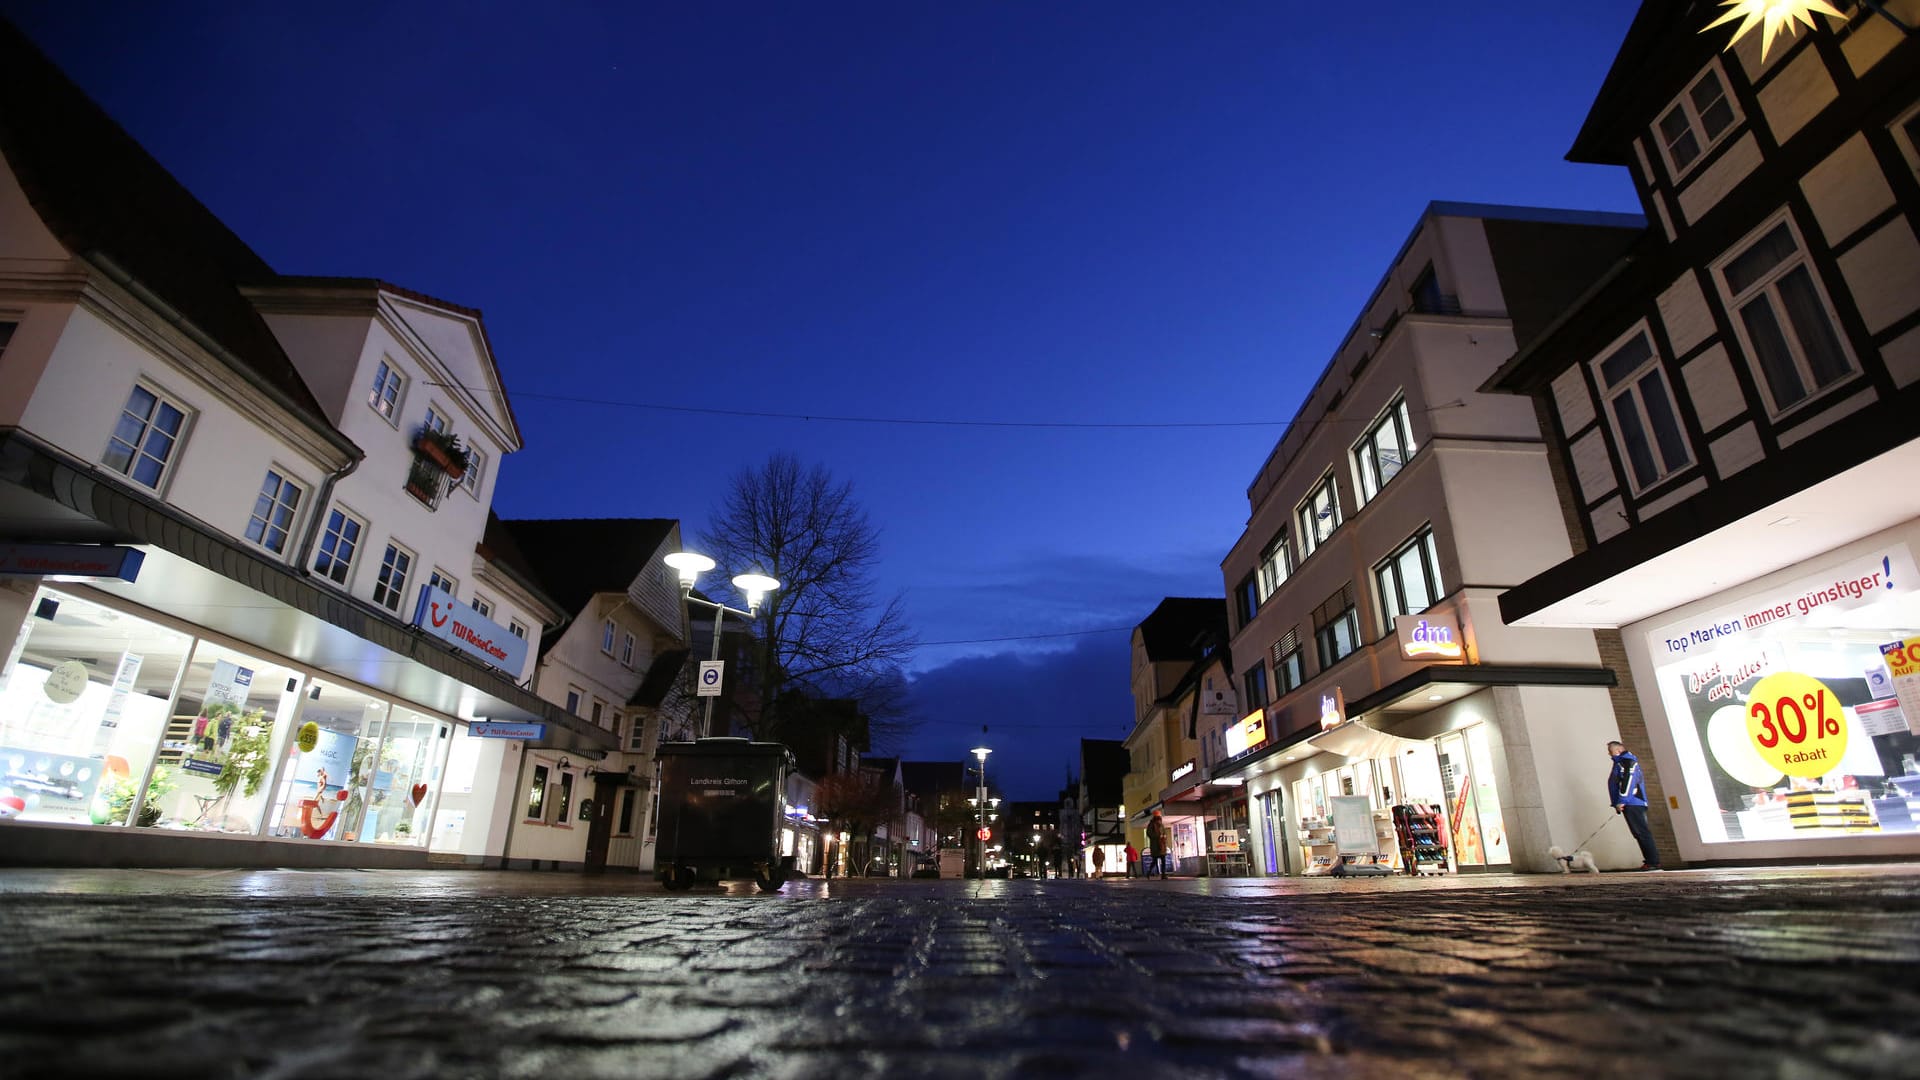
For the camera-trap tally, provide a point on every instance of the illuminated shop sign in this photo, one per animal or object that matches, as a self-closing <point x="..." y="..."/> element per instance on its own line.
<point x="1855" y="583"/>
<point x="1429" y="637"/>
<point x="1181" y="771"/>
<point x="1217" y="696"/>
<point x="1247" y="734"/>
<point x="494" y="729"/>
<point x="71" y="561"/>
<point x="1333" y="709"/>
<point x="453" y="622"/>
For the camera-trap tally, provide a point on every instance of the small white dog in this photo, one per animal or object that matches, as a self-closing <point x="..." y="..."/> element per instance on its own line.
<point x="1574" y="860"/>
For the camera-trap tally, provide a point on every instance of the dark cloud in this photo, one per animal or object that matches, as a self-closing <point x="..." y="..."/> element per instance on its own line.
<point x="1037" y="706"/>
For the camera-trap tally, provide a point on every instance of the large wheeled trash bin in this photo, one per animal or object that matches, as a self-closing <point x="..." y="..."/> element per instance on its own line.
<point x="722" y="802"/>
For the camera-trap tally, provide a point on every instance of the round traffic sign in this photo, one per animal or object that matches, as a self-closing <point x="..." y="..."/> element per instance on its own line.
<point x="984" y="833"/>
<point x="710" y="676"/>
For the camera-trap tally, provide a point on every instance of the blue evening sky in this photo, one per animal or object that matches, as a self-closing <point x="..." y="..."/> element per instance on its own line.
<point x="1000" y="213"/>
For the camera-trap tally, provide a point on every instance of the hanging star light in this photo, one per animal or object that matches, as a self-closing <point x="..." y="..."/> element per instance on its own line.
<point x="1772" y="16"/>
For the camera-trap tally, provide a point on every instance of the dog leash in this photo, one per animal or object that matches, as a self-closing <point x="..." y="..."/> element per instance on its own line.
<point x="1604" y="822"/>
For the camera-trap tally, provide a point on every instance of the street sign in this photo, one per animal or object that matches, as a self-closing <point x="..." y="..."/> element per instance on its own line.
<point x="984" y="834"/>
<point x="710" y="671"/>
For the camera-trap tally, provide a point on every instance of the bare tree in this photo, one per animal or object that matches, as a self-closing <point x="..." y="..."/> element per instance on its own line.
<point x="822" y="632"/>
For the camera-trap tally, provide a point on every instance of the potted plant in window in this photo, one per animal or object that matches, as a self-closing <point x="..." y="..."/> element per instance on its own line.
<point x="444" y="450"/>
<point x="423" y="481"/>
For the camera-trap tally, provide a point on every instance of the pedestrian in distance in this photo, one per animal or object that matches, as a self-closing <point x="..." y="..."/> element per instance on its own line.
<point x="1157" y="845"/>
<point x="1099" y="862"/>
<point x="1133" y="861"/>
<point x="1627" y="787"/>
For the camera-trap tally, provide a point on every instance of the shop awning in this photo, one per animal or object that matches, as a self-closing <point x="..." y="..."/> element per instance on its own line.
<point x="198" y="575"/>
<point x="1424" y="690"/>
<point x="1354" y="739"/>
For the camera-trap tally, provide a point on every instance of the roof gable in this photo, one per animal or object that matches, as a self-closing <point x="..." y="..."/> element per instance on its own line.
<point x="577" y="558"/>
<point x="1177" y="628"/>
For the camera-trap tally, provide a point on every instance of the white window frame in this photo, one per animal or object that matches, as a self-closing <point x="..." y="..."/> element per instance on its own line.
<point x="1392" y="595"/>
<point x="575" y="696"/>
<point x="1276" y="564"/>
<point x="383" y="581"/>
<point x="476" y="464"/>
<point x="1366" y="452"/>
<point x="537" y="784"/>
<point x="1632" y="386"/>
<point x="637" y="734"/>
<point x="483" y="606"/>
<point x="517" y="629"/>
<point x="321" y="547"/>
<point x="1695" y="127"/>
<point x="607" y="629"/>
<point x="160" y="398"/>
<point x="291" y="529"/>
<point x="1767" y="285"/>
<point x="1309" y="542"/>
<point x="388" y="394"/>
<point x="438" y="420"/>
<point x="1291" y="659"/>
<point x="626" y="649"/>
<point x="444" y="581"/>
<point x="1906" y="140"/>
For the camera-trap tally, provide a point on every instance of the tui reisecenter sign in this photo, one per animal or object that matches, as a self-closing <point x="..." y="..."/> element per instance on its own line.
<point x="457" y="624"/>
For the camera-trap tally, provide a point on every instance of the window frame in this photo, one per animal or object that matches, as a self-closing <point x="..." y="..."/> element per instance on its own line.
<point x="1735" y="304"/>
<point x="623" y="816"/>
<point x="482" y="606"/>
<point x="383" y="580"/>
<point x="324" y="550"/>
<point x="637" y="734"/>
<point x="1273" y="572"/>
<point x="444" y="581"/>
<point x="1309" y="543"/>
<point x="1247" y="598"/>
<point x="537" y="806"/>
<point x="575" y="696"/>
<point x="1325" y="640"/>
<point x="1908" y="141"/>
<point x="1365" y="452"/>
<point x="517" y="629"/>
<point x="291" y="527"/>
<point x="607" y="630"/>
<point x="1695" y="126"/>
<point x="626" y="648"/>
<point x="179" y="437"/>
<point x="438" y="420"/>
<point x="1424" y="542"/>
<point x="1290" y="671"/>
<point x="476" y="464"/>
<point x="563" y="806"/>
<point x="388" y="376"/>
<point x="1253" y="682"/>
<point x="1631" y="386"/>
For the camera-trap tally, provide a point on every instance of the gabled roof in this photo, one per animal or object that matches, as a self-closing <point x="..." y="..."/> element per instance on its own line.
<point x="1178" y="628"/>
<point x="1663" y="47"/>
<point x="109" y="201"/>
<point x="577" y="558"/>
<point x="498" y="547"/>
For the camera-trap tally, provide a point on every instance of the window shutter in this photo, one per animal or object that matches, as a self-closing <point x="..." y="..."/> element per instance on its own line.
<point x="1288" y="643"/>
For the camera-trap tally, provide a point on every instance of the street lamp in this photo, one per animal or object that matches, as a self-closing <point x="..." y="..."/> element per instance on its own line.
<point x="980" y="753"/>
<point x="756" y="586"/>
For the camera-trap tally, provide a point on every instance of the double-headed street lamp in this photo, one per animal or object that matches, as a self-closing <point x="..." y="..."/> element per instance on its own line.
<point x="980" y="753"/>
<point x="756" y="586"/>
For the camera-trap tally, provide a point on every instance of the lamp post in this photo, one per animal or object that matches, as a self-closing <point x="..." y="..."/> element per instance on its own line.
<point x="980" y="753"/>
<point x="756" y="586"/>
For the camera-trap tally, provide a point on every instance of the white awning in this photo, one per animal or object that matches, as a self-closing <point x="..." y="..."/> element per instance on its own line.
<point x="1354" y="739"/>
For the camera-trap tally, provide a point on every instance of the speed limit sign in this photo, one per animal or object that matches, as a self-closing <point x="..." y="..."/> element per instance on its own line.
<point x="984" y="834"/>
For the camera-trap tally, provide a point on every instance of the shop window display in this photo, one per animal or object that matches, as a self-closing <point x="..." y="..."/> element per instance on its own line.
<point x="83" y="701"/>
<point x="229" y="722"/>
<point x="1795" y="713"/>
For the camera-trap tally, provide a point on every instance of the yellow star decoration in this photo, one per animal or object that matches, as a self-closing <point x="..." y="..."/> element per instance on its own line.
<point x="1773" y="15"/>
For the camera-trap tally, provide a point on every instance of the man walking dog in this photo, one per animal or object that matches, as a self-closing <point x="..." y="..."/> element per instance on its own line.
<point x="1627" y="787"/>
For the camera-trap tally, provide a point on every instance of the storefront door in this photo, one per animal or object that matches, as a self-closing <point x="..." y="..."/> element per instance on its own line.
<point x="1478" y="833"/>
<point x="1274" y="847"/>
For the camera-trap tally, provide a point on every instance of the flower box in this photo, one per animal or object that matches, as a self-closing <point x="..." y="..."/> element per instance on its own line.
<point x="443" y="451"/>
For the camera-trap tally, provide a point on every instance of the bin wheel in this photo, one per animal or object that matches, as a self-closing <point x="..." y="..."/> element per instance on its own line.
<point x="770" y="881"/>
<point x="679" y="879"/>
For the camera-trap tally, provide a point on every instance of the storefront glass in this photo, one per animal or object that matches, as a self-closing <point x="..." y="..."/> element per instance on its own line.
<point x="1795" y="710"/>
<point x="83" y="702"/>
<point x="1274" y="821"/>
<point x="229" y="723"/>
<point x="322" y="794"/>
<point x="1473" y="800"/>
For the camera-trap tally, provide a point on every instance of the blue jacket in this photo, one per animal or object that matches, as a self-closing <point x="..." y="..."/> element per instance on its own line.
<point x="1626" y="787"/>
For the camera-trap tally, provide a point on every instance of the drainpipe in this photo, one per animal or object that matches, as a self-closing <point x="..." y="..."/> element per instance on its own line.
<point x="303" y="559"/>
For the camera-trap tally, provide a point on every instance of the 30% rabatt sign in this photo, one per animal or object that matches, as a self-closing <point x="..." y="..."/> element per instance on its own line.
<point x="1796" y="724"/>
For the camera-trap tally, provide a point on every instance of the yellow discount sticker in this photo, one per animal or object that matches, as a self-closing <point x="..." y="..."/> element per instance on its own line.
<point x="1796" y="724"/>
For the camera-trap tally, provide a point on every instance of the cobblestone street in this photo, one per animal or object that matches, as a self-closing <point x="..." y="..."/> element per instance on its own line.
<point x="394" y="975"/>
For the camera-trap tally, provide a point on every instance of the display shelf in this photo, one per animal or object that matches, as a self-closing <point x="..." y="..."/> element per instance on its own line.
<point x="1422" y="841"/>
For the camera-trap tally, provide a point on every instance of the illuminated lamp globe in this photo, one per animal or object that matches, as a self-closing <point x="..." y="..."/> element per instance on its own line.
<point x="689" y="566"/>
<point x="756" y="587"/>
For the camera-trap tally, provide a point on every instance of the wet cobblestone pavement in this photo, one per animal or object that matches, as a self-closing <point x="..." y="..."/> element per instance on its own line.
<point x="359" y="975"/>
